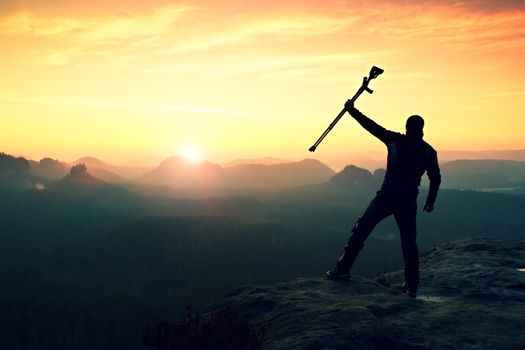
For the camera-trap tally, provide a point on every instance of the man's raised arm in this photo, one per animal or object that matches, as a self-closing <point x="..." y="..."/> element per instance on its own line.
<point x="370" y="125"/>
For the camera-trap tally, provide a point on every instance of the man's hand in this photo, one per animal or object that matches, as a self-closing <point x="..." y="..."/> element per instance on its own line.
<point x="349" y="105"/>
<point x="428" y="208"/>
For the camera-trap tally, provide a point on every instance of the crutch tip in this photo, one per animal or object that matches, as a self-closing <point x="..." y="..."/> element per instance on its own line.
<point x="312" y="149"/>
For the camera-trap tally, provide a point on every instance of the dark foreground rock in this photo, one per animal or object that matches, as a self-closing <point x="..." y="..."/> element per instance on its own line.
<point x="472" y="296"/>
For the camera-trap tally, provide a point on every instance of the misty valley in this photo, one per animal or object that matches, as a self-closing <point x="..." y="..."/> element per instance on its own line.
<point x="91" y="253"/>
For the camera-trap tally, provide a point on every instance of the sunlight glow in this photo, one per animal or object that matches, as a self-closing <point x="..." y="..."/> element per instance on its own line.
<point x="191" y="154"/>
<point x="166" y="70"/>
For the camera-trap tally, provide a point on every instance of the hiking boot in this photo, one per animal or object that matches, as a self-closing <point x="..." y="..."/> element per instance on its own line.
<point x="411" y="291"/>
<point x="337" y="274"/>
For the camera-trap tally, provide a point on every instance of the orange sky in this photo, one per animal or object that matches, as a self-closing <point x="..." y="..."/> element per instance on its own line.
<point x="255" y="78"/>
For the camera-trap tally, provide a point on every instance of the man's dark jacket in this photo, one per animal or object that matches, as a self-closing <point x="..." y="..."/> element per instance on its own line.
<point x="408" y="159"/>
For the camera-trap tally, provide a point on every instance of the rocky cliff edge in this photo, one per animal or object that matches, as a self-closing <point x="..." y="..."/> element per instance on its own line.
<point x="472" y="296"/>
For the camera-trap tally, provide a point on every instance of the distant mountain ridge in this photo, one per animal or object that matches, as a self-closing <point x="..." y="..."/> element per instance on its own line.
<point x="377" y="159"/>
<point x="80" y="178"/>
<point x="262" y="161"/>
<point x="15" y="174"/>
<point x="514" y="170"/>
<point x="304" y="172"/>
<point x="480" y="173"/>
<point x="177" y="172"/>
<point x="92" y="162"/>
<point x="516" y="155"/>
<point x="477" y="174"/>
<point x="352" y="175"/>
<point x="51" y="169"/>
<point x="112" y="173"/>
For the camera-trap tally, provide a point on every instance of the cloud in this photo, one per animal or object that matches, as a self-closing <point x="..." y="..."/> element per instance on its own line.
<point x="468" y="5"/>
<point x="82" y="102"/>
<point x="299" y="66"/>
<point x="166" y="31"/>
<point x="72" y="38"/>
<point x="277" y="28"/>
<point x="451" y="27"/>
<point x="27" y="24"/>
<point x="135" y="38"/>
<point x="94" y="28"/>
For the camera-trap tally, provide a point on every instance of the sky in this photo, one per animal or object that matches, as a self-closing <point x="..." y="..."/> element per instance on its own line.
<point x="248" y="79"/>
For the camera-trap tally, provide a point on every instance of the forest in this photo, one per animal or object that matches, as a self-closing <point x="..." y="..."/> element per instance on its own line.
<point x="86" y="264"/>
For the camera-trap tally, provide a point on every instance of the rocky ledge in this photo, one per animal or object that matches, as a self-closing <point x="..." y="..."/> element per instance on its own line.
<point x="472" y="296"/>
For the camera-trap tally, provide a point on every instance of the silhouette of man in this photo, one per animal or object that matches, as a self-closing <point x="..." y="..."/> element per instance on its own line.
<point x="408" y="159"/>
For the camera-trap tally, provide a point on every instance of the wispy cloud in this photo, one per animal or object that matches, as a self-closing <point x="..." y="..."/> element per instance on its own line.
<point x="166" y="31"/>
<point x="476" y="5"/>
<point x="279" y="64"/>
<point x="173" y="107"/>
<point x="177" y="30"/>
<point x="93" y="28"/>
<point x="453" y="27"/>
<point x="74" y="37"/>
<point x="258" y="29"/>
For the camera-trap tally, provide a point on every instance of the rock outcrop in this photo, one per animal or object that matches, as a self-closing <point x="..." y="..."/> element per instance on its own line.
<point x="472" y="296"/>
<point x="353" y="176"/>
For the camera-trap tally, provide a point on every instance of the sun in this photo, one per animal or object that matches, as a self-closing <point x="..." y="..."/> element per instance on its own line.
<point x="190" y="153"/>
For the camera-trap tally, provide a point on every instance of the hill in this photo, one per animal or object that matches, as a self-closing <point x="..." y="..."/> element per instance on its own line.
<point x="472" y="173"/>
<point x="462" y="305"/>
<point x="48" y="168"/>
<point x="112" y="173"/>
<point x="263" y="161"/>
<point x="352" y="176"/>
<point x="373" y="160"/>
<point x="516" y="155"/>
<point x="80" y="179"/>
<point x="177" y="172"/>
<point x="304" y="172"/>
<point x="493" y="175"/>
<point x="15" y="174"/>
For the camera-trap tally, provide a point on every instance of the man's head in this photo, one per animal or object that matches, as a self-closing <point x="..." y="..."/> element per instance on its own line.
<point x="414" y="126"/>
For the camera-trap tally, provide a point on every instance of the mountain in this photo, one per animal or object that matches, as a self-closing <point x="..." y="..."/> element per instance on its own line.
<point x="377" y="159"/>
<point x="263" y="161"/>
<point x="10" y="165"/>
<point x="355" y="176"/>
<point x="476" y="174"/>
<point x="53" y="169"/>
<point x="516" y="155"/>
<point x="304" y="172"/>
<point x="142" y="161"/>
<point x="48" y="168"/>
<point x="80" y="178"/>
<point x="471" y="297"/>
<point x="106" y="175"/>
<point x="15" y="174"/>
<point x="177" y="172"/>
<point x="482" y="173"/>
<point x="112" y="173"/>
<point x="92" y="162"/>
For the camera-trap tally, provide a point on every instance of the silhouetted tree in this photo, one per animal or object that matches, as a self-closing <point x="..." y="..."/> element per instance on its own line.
<point x="12" y="165"/>
<point x="78" y="169"/>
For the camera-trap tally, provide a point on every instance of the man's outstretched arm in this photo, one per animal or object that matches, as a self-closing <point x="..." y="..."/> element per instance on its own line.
<point x="370" y="125"/>
<point x="434" y="175"/>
